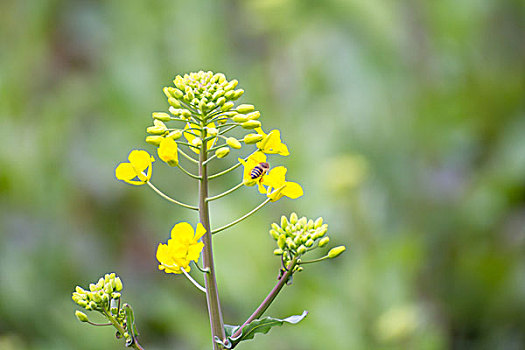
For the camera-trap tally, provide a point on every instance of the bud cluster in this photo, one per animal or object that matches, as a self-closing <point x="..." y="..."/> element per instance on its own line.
<point x="297" y="236"/>
<point x="101" y="296"/>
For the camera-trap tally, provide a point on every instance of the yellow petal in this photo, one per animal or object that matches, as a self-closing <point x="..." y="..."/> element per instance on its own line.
<point x="276" y="177"/>
<point x="140" y="160"/>
<point x="127" y="173"/>
<point x="167" y="151"/>
<point x="292" y="190"/>
<point x="182" y="233"/>
<point x="199" y="232"/>
<point x="194" y="251"/>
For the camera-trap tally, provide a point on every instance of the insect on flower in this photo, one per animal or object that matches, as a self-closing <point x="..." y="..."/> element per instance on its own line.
<point x="259" y="170"/>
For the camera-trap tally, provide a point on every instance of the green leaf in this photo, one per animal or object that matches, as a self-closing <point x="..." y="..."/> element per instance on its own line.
<point x="130" y="325"/>
<point x="262" y="325"/>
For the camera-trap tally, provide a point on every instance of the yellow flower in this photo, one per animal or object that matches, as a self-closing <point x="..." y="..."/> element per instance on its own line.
<point x="182" y="248"/>
<point x="253" y="160"/>
<point x="139" y="161"/>
<point x="277" y="186"/>
<point x="168" y="151"/>
<point x="194" y="136"/>
<point x="271" y="144"/>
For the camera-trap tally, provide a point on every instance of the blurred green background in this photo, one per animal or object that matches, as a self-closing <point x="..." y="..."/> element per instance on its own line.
<point x="406" y="126"/>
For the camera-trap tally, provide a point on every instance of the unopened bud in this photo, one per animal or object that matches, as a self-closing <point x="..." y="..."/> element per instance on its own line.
<point x="275" y="226"/>
<point x="238" y="93"/>
<point x="335" y="252"/>
<point x="245" y="108"/>
<point x="230" y="95"/>
<point x="309" y="243"/>
<point x="293" y="218"/>
<point x="284" y="222"/>
<point x="221" y="100"/>
<point x="185" y="113"/>
<point x="252" y="138"/>
<point x="118" y="284"/>
<point x="251" y="124"/>
<point x="177" y="93"/>
<point x="302" y="249"/>
<point x="82" y="317"/>
<point x="240" y="118"/>
<point x="222" y="152"/>
<point x="318" y="222"/>
<point x="274" y="234"/>
<point x="324" y="241"/>
<point x="233" y="143"/>
<point x="278" y="252"/>
<point x="179" y="82"/>
<point x="161" y="116"/>
<point x="175" y="134"/>
<point x="197" y="142"/>
<point x="174" y="102"/>
<point x="302" y="222"/>
<point x="281" y="241"/>
<point x="166" y="91"/>
<point x="231" y="85"/>
<point x="254" y="115"/>
<point x="227" y="106"/>
<point x="154" y="140"/>
<point x="217" y="94"/>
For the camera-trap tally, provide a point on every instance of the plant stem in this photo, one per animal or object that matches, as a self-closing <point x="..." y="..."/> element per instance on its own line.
<point x="224" y="171"/>
<point x="212" y="293"/>
<point x="269" y="298"/>
<point x="159" y="192"/>
<point x="188" y="173"/>
<point x="224" y="193"/>
<point x="121" y="330"/>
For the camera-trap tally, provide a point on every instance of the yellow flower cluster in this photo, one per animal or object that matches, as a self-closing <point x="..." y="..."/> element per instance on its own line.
<point x="182" y="248"/>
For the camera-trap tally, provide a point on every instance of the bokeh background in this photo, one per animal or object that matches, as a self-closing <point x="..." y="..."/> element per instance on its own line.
<point x="406" y="125"/>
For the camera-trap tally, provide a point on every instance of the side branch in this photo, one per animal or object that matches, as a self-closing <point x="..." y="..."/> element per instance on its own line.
<point x="241" y="218"/>
<point x="187" y="156"/>
<point x="224" y="171"/>
<point x="170" y="199"/>
<point x="224" y="193"/>
<point x="269" y="298"/>
<point x="188" y="173"/>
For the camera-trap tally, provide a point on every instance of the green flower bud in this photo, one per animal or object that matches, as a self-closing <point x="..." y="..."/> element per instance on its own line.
<point x="197" y="142"/>
<point x="278" y="252"/>
<point x="118" y="284"/>
<point x="210" y="106"/>
<point x="222" y="152"/>
<point x="321" y="231"/>
<point x="175" y="134"/>
<point x="229" y="95"/>
<point x="217" y="94"/>
<point x="275" y="226"/>
<point x="299" y="268"/>
<point x="324" y="241"/>
<point x="227" y="106"/>
<point x="220" y="101"/>
<point x="166" y="91"/>
<point x="302" y="249"/>
<point x="212" y="131"/>
<point x="302" y="222"/>
<point x="155" y="130"/>
<point x="240" y="118"/>
<point x="274" y="234"/>
<point x="177" y="93"/>
<point x="335" y="252"/>
<point x="293" y="218"/>
<point x="310" y="224"/>
<point x="309" y="243"/>
<point x="281" y="241"/>
<point x="284" y="222"/>
<point x="82" y="303"/>
<point x="185" y="113"/>
<point x="233" y="143"/>
<point x="231" y="85"/>
<point x="219" y="77"/>
<point x="318" y="222"/>
<point x="245" y="108"/>
<point x="238" y="93"/>
<point x="154" y="140"/>
<point x="251" y="124"/>
<point x="82" y="317"/>
<point x="161" y="116"/>
<point x="92" y="287"/>
<point x="80" y="290"/>
<point x="290" y="243"/>
<point x="254" y="115"/>
<point x="252" y="138"/>
<point x="189" y="94"/>
<point x="174" y="102"/>
<point x="115" y="295"/>
<point x="179" y="82"/>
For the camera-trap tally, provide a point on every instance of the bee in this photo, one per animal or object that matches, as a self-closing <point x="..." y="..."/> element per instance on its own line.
<point x="259" y="170"/>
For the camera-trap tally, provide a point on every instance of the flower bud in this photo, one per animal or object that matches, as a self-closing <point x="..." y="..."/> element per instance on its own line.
<point x="92" y="287"/>
<point x="179" y="82"/>
<point x="197" y="142"/>
<point x="166" y="91"/>
<point x="222" y="152"/>
<point x="227" y="106"/>
<point x="161" y="116"/>
<point x="324" y="241"/>
<point x="229" y="95"/>
<point x="318" y="222"/>
<point x="274" y="234"/>
<point x="293" y="218"/>
<point x="80" y="290"/>
<point x="174" y="102"/>
<point x="82" y="317"/>
<point x="251" y="124"/>
<point x="240" y="118"/>
<point x="175" y="134"/>
<point x="275" y="226"/>
<point x="221" y="100"/>
<point x="335" y="252"/>
<point x="231" y="85"/>
<point x="217" y="94"/>
<point x="115" y="295"/>
<point x="252" y="138"/>
<point x="118" y="284"/>
<point x="278" y="252"/>
<point x="212" y="131"/>
<point x="185" y="113"/>
<point x="254" y="115"/>
<point x="290" y="243"/>
<point x="233" y="143"/>
<point x="245" y="108"/>
<point x="210" y="106"/>
<point x="176" y="93"/>
<point x="309" y="243"/>
<point x="284" y="222"/>
<point x="302" y="222"/>
<point x="320" y="232"/>
<point x="302" y="249"/>
<point x="154" y="140"/>
<point x="238" y="93"/>
<point x="281" y="241"/>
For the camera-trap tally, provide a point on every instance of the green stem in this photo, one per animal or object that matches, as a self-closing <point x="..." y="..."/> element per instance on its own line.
<point x="171" y="199"/>
<point x="212" y="293"/>
<point x="209" y="159"/>
<point x="269" y="298"/>
<point x="226" y="130"/>
<point x="187" y="156"/>
<point x="188" y="173"/>
<point x="224" y="171"/>
<point x="241" y="218"/>
<point x="121" y="330"/>
<point x="313" y="261"/>
<point x="209" y="199"/>
<point x="195" y="283"/>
